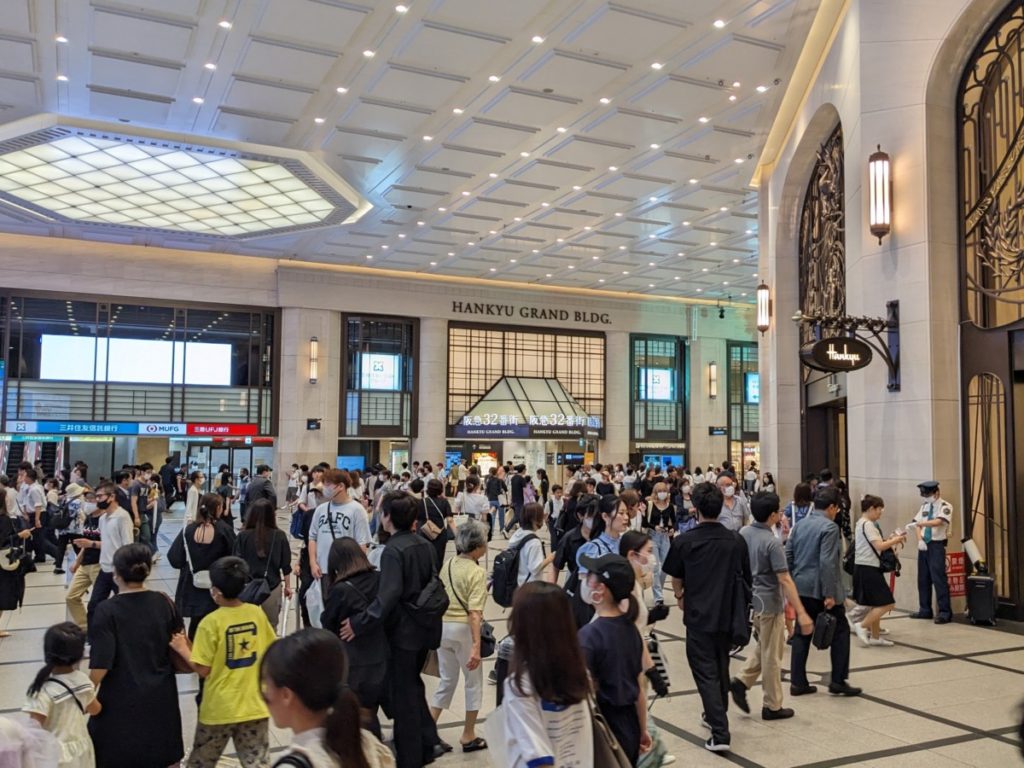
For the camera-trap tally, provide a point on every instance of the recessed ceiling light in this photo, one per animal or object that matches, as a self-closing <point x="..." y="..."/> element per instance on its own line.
<point x="723" y="209"/>
<point x="762" y="88"/>
<point x="652" y="237"/>
<point x="210" y="66"/>
<point x="739" y="161"/>
<point x="318" y="120"/>
<point x="600" y="279"/>
<point x="384" y="247"/>
<point x="595" y="258"/>
<point x="571" y="267"/>
<point x="545" y="205"/>
<point x="419" y="223"/>
<point x="713" y="244"/>
<point x="401" y="9"/>
<point x="743" y="294"/>
<point x="754" y="275"/>
<point x="493" y="175"/>
<point x="732" y="97"/>
<point x="700" y="290"/>
<point x="657" y="65"/>
<point x="369" y="256"/>
<point x="517" y="218"/>
<point x="736" y="84"/>
<point x="725" y="282"/>
<point x="224" y="24"/>
<point x="750" y="231"/>
<point x="704" y="269"/>
<point x="62" y="78"/>
<point x="342" y="89"/>
<point x="735" y="261"/>
<point x="198" y="99"/>
<point x="625" y="271"/>
<point x="401" y="235"/>
<point x="465" y="193"/>
<point x="457" y="111"/>
<point x="471" y="242"/>
<point x="680" y="253"/>
<point x="369" y="54"/>
<point x="433" y="263"/>
<point x="493" y="231"/>
<point x="442" y="210"/>
<point x="428" y="138"/>
<point x="653" y="199"/>
<point x="561" y="129"/>
<point x="494" y="78"/>
<point x="536" y="250"/>
<point x="538" y="39"/>
<point x="494" y="269"/>
<point x="605" y="100"/>
<point x="61" y="39"/>
<point x="577" y="187"/>
<point x="588" y="228"/>
<point x="703" y="119"/>
<point x="650" y="263"/>
<point x="650" y="285"/>
<point x="524" y="154"/>
<point x="622" y="247"/>
<point x="618" y="214"/>
<point x="451" y="253"/>
<point x="655" y="146"/>
<point x="548" y="275"/>
<point x="676" y="277"/>
<point x="686" y="223"/>
<point x="719" y="23"/>
<point x="512" y="261"/>
<point x="613" y="167"/>
<point x="559" y="239"/>
<point x="694" y="181"/>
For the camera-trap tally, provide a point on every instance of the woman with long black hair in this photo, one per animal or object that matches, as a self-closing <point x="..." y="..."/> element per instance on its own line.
<point x="306" y="690"/>
<point x="265" y="549"/>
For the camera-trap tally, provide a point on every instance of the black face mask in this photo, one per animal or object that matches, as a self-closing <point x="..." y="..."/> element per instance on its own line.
<point x="103" y="504"/>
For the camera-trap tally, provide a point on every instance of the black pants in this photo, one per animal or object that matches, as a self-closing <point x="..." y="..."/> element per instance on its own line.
<point x="102" y="588"/>
<point x="305" y="582"/>
<point x="708" y="655"/>
<point x="44" y="543"/>
<point x="63" y="540"/>
<point x="931" y="572"/>
<point x="415" y="731"/>
<point x="625" y="724"/>
<point x="839" y="650"/>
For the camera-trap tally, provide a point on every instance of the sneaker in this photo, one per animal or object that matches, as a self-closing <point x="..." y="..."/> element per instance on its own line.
<point x="802" y="690"/>
<point x="704" y="721"/>
<point x="881" y="641"/>
<point x="492" y="678"/>
<point x="739" y="694"/>
<point x="58" y="571"/>
<point x="862" y="633"/>
<point x="843" y="689"/>
<point x="716" y="746"/>
<point x="156" y="557"/>
<point x="668" y="759"/>
<point x="883" y="631"/>
<point x="782" y="713"/>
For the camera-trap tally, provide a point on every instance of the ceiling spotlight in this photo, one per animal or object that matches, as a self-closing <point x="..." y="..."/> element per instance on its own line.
<point x="442" y="209"/>
<point x="369" y="256"/>
<point x="465" y="193"/>
<point x="471" y="242"/>
<point x="548" y="275"/>
<point x="739" y="161"/>
<point x="433" y="263"/>
<point x="545" y="205"/>
<point x="657" y="65"/>
<point x="704" y="269"/>
<point x="61" y="39"/>
<point x="428" y="138"/>
<point x="559" y="239"/>
<point x="318" y="120"/>
<point x="719" y="23"/>
<point x="713" y="244"/>
<point x="524" y="154"/>
<point x="62" y="78"/>
<point x="618" y="214"/>
<point x="605" y="100"/>
<point x="622" y="247"/>
<point x="536" y="250"/>
<point x="401" y="9"/>
<point x="762" y="88"/>
<point x="210" y="66"/>
<point x="694" y="181"/>
<point x="703" y="119"/>
<point x="750" y="231"/>
<point x="457" y="111"/>
<point x="561" y="129"/>
<point x="613" y="167"/>
<point x="732" y="97"/>
<point x="650" y="263"/>
<point x="451" y="253"/>
<point x="653" y="199"/>
<point x="595" y="258"/>
<point x="652" y="237"/>
<point x="588" y="228"/>
<point x="650" y="285"/>
<point x="513" y="261"/>
<point x="686" y="223"/>
<point x="736" y="84"/>
<point x="401" y="235"/>
<point x="419" y="223"/>
<point x="576" y="187"/>
<point x="700" y="290"/>
<point x="369" y="54"/>
<point x="625" y="271"/>
<point x="655" y="146"/>
<point x="680" y="254"/>
<point x="723" y="209"/>
<point x="195" y="99"/>
<point x="600" y="279"/>
<point x="493" y="175"/>
<point x="571" y="267"/>
<point x="384" y="247"/>
<point x="494" y="269"/>
<point x="224" y="24"/>
<point x="517" y="218"/>
<point x="493" y="231"/>
<point x="494" y="78"/>
<point x="342" y="89"/>
<point x="675" y="277"/>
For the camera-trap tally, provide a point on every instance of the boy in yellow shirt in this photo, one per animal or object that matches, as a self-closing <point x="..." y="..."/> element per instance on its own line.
<point x="227" y="652"/>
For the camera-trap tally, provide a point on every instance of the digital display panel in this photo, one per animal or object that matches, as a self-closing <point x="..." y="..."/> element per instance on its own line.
<point x="381" y="372"/>
<point x="657" y="383"/>
<point x="350" y="463"/>
<point x="752" y="388"/>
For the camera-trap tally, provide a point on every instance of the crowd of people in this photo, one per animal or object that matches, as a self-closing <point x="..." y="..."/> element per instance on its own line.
<point x="384" y="600"/>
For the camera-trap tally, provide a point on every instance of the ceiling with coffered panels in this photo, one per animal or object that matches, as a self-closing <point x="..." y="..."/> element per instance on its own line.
<point x="580" y="143"/>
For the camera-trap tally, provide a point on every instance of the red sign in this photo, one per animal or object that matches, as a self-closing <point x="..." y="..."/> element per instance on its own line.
<point x="222" y="430"/>
<point x="956" y="574"/>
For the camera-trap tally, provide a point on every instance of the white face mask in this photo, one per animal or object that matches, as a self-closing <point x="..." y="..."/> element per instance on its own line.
<point x="330" y="491"/>
<point x="662" y="495"/>
<point x="587" y="594"/>
<point x="588" y="523"/>
<point x="728" y="491"/>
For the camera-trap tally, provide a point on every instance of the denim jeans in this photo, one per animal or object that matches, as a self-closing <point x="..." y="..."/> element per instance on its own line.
<point x="662" y="542"/>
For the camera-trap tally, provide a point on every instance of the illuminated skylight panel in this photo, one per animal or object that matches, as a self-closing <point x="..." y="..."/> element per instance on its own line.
<point x="84" y="178"/>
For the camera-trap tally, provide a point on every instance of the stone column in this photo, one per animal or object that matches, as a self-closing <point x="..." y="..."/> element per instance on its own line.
<point x="618" y="398"/>
<point x="432" y="391"/>
<point x="299" y="400"/>
<point x="705" y="412"/>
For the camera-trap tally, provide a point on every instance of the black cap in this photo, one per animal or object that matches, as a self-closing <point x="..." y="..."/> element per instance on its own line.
<point x="614" y="571"/>
<point x="929" y="486"/>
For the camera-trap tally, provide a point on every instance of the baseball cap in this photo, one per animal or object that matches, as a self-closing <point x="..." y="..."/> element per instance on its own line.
<point x="614" y="571"/>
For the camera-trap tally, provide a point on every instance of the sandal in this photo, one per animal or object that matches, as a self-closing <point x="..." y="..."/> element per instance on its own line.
<point x="475" y="745"/>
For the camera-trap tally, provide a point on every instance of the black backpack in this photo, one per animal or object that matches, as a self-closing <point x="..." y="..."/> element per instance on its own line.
<point x="58" y="516"/>
<point x="428" y="609"/>
<point x="505" y="576"/>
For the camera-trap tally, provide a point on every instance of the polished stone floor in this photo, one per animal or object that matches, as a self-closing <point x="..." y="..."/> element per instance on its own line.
<point x="943" y="696"/>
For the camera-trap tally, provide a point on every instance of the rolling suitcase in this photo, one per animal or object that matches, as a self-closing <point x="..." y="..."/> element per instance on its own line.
<point x="981" y="599"/>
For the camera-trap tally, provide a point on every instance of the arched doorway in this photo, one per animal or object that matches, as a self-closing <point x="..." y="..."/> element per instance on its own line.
<point x="990" y="116"/>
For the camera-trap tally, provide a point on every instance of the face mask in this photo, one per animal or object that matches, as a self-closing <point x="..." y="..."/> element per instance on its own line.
<point x="89" y="507"/>
<point x="103" y="504"/>
<point x="330" y="490"/>
<point x="662" y="495"/>
<point x="728" y="491"/>
<point x="589" y="596"/>
<point x="588" y="523"/>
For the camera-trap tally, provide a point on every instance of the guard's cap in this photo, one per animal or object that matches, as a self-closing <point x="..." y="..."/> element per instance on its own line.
<point x="929" y="485"/>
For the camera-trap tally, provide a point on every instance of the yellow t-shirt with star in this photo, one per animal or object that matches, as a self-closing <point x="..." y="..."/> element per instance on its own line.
<point x="231" y="641"/>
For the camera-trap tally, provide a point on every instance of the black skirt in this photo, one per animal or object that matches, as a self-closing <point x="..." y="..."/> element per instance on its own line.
<point x="870" y="587"/>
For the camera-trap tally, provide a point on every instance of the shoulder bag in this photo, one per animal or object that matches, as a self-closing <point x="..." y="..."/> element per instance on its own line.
<point x="200" y="579"/>
<point x="258" y="590"/>
<point x="487" y="641"/>
<point x="608" y="753"/>
<point x="431" y="529"/>
<point x="887" y="561"/>
<point x="67" y="688"/>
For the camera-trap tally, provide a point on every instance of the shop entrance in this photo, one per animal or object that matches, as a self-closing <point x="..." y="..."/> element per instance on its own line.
<point x="824" y="438"/>
<point x="208" y="457"/>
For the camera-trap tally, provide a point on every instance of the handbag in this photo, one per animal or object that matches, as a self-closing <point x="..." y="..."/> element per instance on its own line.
<point x="431" y="665"/>
<point x="608" y="753"/>
<point x="487" y="641"/>
<point x="258" y="590"/>
<point x="430" y="529"/>
<point x="654" y="649"/>
<point x="11" y="555"/>
<point x="824" y="630"/>
<point x="200" y="579"/>
<point x="887" y="561"/>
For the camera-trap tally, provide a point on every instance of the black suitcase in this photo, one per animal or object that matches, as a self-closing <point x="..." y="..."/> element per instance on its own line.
<point x="981" y="599"/>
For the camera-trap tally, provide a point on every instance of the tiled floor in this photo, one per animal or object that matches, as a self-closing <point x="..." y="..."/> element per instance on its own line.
<point x="944" y="696"/>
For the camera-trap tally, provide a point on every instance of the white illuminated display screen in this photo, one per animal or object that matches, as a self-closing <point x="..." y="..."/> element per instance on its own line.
<point x="380" y="372"/>
<point x="139" y="361"/>
<point x="752" y="382"/>
<point x="656" y="383"/>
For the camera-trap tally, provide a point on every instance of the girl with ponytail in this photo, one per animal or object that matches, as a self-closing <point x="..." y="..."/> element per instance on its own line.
<point x="61" y="695"/>
<point x="305" y="687"/>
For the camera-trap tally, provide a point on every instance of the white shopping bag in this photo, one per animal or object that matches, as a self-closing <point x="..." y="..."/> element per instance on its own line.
<point x="315" y="603"/>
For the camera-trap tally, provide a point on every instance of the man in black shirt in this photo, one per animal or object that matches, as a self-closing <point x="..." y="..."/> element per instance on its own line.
<point x="704" y="564"/>
<point x="122" y="483"/>
<point x="516" y="485"/>
<point x="168" y="480"/>
<point x="261" y="487"/>
<point x="406" y="567"/>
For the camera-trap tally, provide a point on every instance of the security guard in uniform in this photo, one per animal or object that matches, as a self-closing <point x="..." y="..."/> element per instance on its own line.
<point x="932" y="527"/>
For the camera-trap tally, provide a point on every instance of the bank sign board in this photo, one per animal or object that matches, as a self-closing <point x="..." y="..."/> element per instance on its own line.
<point x="837" y="354"/>
<point x="131" y="429"/>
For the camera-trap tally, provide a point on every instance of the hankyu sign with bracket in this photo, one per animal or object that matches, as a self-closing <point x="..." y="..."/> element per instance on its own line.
<point x="838" y="353"/>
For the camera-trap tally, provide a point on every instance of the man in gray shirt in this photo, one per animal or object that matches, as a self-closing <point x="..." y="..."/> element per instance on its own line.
<point x="812" y="553"/>
<point x="735" y="512"/>
<point x="771" y="580"/>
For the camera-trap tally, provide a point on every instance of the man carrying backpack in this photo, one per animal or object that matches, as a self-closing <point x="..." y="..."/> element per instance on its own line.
<point x="410" y="604"/>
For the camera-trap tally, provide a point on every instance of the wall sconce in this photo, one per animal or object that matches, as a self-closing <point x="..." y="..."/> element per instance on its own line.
<point x="314" y="359"/>
<point x="764" y="308"/>
<point x="880" y="192"/>
<point x="712" y="380"/>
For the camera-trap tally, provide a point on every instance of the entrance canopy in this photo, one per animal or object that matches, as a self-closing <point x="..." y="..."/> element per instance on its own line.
<point x="521" y="406"/>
